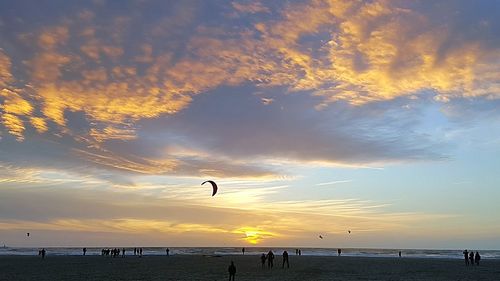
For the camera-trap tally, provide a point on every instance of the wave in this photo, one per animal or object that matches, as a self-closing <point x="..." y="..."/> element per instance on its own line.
<point x="215" y="251"/>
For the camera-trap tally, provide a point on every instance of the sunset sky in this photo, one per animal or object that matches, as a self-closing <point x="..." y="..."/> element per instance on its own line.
<point x="314" y="118"/>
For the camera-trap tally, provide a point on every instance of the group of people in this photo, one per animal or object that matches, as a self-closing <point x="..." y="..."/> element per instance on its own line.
<point x="113" y="252"/>
<point x="116" y="252"/>
<point x="471" y="258"/>
<point x="270" y="259"/>
<point x="42" y="253"/>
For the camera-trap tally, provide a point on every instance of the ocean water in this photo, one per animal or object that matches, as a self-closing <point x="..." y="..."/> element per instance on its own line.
<point x="215" y="251"/>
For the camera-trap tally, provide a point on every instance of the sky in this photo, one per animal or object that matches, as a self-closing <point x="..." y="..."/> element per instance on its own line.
<point x="313" y="117"/>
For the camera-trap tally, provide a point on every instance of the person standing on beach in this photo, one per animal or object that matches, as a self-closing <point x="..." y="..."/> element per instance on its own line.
<point x="339" y="251"/>
<point x="140" y="252"/>
<point x="168" y="252"/>
<point x="84" y="251"/>
<point x="285" y="259"/>
<point x="477" y="258"/>
<point x="123" y="252"/>
<point x="300" y="252"/>
<point x="263" y="260"/>
<point x="466" y="256"/>
<point x="43" y="253"/>
<point x="399" y="253"/>
<point x="270" y="258"/>
<point x="243" y="250"/>
<point x="232" y="271"/>
<point x="471" y="257"/>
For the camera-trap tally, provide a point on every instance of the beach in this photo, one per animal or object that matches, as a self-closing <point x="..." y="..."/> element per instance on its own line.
<point x="197" y="267"/>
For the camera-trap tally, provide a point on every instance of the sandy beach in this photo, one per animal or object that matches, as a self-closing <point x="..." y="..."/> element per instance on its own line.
<point x="248" y="268"/>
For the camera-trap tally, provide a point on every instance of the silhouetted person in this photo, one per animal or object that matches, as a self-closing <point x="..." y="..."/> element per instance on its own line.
<point x="300" y="252"/>
<point x="477" y="258"/>
<point x="43" y="253"/>
<point x="466" y="256"/>
<point x="339" y="251"/>
<point x="135" y="251"/>
<point x="243" y="250"/>
<point x="123" y="252"/>
<point x="263" y="260"/>
<point x="285" y="259"/>
<point x="270" y="258"/>
<point x="140" y="252"/>
<point x="232" y="271"/>
<point x="399" y="253"/>
<point x="296" y="251"/>
<point x="168" y="252"/>
<point x="471" y="257"/>
<point x="84" y="251"/>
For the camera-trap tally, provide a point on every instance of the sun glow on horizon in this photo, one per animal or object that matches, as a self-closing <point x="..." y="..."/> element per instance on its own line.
<point x="254" y="235"/>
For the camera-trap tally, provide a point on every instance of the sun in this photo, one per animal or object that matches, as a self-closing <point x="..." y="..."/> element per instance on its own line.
<point x="253" y="235"/>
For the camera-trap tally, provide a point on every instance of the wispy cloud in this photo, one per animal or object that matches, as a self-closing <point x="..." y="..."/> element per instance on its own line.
<point x="333" y="182"/>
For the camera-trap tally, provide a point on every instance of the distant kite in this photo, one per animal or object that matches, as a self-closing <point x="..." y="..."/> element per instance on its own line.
<point x="320" y="237"/>
<point x="349" y="231"/>
<point x="28" y="234"/>
<point x="214" y="186"/>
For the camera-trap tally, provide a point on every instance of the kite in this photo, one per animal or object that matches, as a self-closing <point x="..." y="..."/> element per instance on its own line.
<point x="214" y="186"/>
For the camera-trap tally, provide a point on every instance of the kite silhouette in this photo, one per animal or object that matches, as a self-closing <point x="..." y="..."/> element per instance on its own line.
<point x="214" y="186"/>
<point x="28" y="234"/>
<point x="320" y="237"/>
<point x="349" y="231"/>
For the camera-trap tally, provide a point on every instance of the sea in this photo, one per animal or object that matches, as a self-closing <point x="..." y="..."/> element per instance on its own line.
<point x="222" y="251"/>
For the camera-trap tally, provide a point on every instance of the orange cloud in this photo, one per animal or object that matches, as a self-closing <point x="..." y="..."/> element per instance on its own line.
<point x="339" y="50"/>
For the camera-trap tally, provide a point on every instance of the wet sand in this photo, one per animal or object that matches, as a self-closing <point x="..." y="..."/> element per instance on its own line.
<point x="302" y="268"/>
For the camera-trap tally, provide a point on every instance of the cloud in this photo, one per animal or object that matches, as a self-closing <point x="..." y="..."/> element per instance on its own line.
<point x="252" y="8"/>
<point x="176" y="210"/>
<point x="118" y="71"/>
<point x="333" y="182"/>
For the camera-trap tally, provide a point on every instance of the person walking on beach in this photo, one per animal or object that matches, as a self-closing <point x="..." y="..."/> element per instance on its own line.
<point x="466" y="256"/>
<point x="123" y="252"/>
<point x="243" y="250"/>
<point x="339" y="251"/>
<point x="140" y="252"/>
<point x="270" y="258"/>
<point x="263" y="260"/>
<point x="232" y="271"/>
<point x="43" y="253"/>
<point x="300" y="252"/>
<point x="84" y="251"/>
<point x="471" y="257"/>
<point x="285" y="259"/>
<point x="477" y="258"/>
<point x="168" y="252"/>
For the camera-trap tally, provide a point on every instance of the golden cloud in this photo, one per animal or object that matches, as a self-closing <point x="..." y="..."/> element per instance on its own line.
<point x="339" y="50"/>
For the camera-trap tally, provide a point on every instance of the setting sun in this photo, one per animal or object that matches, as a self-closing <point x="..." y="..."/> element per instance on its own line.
<point x="253" y="235"/>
